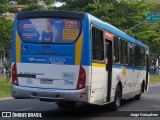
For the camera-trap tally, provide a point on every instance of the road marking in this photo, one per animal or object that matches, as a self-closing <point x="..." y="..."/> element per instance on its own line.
<point x="6" y="98"/>
<point x="24" y="109"/>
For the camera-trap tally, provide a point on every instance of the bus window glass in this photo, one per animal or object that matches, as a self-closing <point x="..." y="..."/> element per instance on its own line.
<point x="143" y="60"/>
<point x="116" y="49"/>
<point x="98" y="47"/>
<point x="137" y="59"/>
<point x="131" y="54"/>
<point x="49" y="30"/>
<point x="124" y="53"/>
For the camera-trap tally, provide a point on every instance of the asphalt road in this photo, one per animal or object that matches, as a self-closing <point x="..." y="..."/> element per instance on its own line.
<point x="150" y="102"/>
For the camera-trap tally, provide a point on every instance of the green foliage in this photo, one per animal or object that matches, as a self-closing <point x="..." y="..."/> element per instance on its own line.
<point x="5" y="89"/>
<point x="123" y="14"/>
<point x="26" y="2"/>
<point x="6" y="35"/>
<point x="49" y="2"/>
<point x="3" y="7"/>
<point x="33" y="7"/>
<point x="3" y="1"/>
<point x="154" y="79"/>
<point x="30" y="2"/>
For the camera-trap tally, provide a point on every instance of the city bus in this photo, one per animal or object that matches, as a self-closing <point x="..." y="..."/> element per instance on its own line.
<point x="69" y="57"/>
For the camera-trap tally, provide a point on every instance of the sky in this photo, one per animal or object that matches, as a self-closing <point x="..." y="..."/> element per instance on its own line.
<point x="58" y="4"/>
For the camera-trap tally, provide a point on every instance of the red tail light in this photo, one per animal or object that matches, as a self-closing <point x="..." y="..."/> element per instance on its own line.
<point x="81" y="79"/>
<point x="14" y="75"/>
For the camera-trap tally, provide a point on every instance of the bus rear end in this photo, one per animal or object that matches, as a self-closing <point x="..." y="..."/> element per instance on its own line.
<point x="46" y="57"/>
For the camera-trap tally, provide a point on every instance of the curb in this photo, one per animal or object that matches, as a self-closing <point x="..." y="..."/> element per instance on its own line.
<point x="154" y="84"/>
<point x="6" y="98"/>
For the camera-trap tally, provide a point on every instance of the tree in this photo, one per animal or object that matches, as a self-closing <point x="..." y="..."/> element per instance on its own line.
<point x="149" y="35"/>
<point x="5" y="42"/>
<point x="34" y="5"/>
<point x="123" y="14"/>
<point x="29" y="2"/>
<point x="3" y="6"/>
<point x="6" y="35"/>
<point x="26" y="2"/>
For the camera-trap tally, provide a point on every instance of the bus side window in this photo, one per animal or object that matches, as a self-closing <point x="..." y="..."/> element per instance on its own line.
<point x="131" y="54"/>
<point x="137" y="58"/>
<point x="116" y="49"/>
<point x="143" y="58"/>
<point x="97" y="44"/>
<point x="124" y="52"/>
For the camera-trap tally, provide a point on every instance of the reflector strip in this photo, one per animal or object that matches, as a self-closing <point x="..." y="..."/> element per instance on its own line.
<point x="78" y="51"/>
<point x="18" y="49"/>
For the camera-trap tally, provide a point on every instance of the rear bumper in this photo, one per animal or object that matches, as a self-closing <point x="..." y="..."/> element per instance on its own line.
<point x="20" y="92"/>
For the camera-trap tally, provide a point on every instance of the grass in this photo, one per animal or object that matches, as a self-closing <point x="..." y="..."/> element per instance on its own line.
<point x="5" y="89"/>
<point x="154" y="79"/>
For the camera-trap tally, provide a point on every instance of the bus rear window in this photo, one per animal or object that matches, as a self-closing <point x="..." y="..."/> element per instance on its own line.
<point x="49" y="30"/>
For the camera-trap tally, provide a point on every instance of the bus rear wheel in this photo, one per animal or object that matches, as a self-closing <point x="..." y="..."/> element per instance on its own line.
<point x="117" y="98"/>
<point x="66" y="104"/>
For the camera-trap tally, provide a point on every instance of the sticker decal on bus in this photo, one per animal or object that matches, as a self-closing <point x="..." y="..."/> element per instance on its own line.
<point x="68" y="75"/>
<point x="57" y="60"/>
<point x="68" y="82"/>
<point x="24" y="49"/>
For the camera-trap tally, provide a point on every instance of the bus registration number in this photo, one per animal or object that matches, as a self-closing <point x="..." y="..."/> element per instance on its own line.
<point x="45" y="81"/>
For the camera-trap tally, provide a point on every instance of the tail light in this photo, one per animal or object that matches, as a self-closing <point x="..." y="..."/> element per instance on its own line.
<point x="14" y="75"/>
<point x="81" y="79"/>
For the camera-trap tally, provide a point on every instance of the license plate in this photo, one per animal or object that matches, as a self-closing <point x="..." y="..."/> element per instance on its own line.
<point x="44" y="81"/>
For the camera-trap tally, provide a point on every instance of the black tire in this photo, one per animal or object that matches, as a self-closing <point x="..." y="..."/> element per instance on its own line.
<point x="117" y="98"/>
<point x="66" y="104"/>
<point x="138" y="97"/>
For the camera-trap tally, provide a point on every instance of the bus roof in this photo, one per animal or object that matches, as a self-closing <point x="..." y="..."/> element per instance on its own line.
<point x="115" y="30"/>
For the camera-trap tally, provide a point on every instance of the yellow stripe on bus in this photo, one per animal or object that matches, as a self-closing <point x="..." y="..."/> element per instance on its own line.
<point x="98" y="65"/>
<point x="78" y="51"/>
<point x="18" y="49"/>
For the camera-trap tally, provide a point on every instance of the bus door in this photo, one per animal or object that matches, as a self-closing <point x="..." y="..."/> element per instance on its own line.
<point x="147" y="72"/>
<point x="108" y="61"/>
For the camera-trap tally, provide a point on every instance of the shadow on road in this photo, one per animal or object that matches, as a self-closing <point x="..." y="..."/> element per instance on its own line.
<point x="88" y="110"/>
